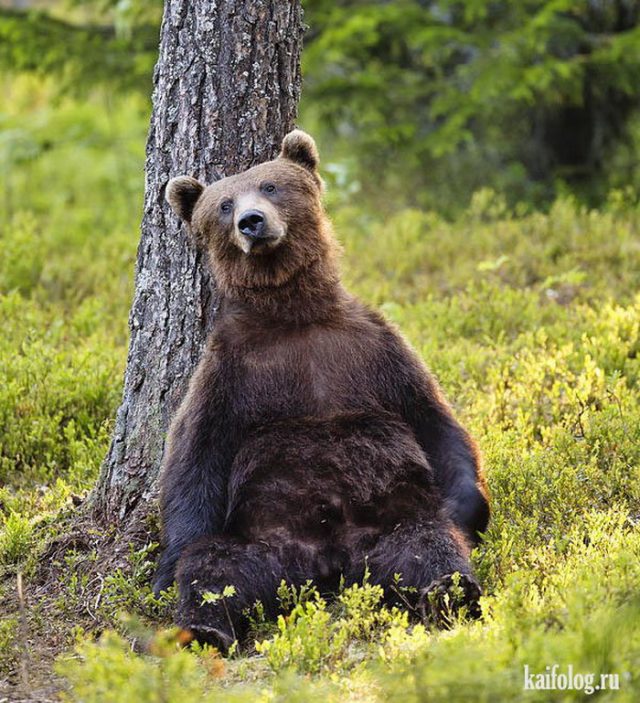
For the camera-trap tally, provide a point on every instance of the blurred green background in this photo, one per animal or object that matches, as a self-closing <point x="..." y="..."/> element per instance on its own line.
<point x="533" y="99"/>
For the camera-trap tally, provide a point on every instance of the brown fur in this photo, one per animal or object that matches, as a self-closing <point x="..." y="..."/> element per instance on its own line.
<point x="312" y="438"/>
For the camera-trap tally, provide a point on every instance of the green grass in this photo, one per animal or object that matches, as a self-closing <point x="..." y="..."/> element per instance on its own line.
<point x="532" y="323"/>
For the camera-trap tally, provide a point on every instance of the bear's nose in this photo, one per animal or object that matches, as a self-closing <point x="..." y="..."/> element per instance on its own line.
<point x="251" y="224"/>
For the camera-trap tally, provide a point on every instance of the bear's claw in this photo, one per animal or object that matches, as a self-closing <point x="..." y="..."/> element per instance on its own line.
<point x="447" y="597"/>
<point x="212" y="636"/>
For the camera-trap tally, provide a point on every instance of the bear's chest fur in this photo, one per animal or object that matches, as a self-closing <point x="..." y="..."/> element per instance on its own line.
<point x="313" y="372"/>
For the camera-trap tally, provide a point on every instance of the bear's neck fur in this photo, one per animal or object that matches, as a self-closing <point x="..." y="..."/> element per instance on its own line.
<point x="313" y="294"/>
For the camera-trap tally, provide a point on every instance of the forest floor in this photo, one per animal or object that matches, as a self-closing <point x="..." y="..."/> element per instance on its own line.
<point x="531" y="321"/>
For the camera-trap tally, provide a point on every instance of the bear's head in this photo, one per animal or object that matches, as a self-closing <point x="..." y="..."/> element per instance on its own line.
<point x="261" y="227"/>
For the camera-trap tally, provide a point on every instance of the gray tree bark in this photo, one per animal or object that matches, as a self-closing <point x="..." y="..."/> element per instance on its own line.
<point x="226" y="89"/>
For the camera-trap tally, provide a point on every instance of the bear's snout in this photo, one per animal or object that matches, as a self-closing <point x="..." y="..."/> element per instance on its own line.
<point x="252" y="224"/>
<point x="258" y="230"/>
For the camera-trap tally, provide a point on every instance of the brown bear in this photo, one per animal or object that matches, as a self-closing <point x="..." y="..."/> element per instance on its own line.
<point x="312" y="443"/>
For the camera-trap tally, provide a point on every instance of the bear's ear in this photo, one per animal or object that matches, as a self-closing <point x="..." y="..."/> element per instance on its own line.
<point x="300" y="148"/>
<point x="182" y="194"/>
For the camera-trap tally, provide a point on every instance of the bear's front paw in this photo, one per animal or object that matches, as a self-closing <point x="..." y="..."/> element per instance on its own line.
<point x="205" y="634"/>
<point x="449" y="597"/>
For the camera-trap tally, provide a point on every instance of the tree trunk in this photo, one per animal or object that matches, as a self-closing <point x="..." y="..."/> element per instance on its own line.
<point x="226" y="89"/>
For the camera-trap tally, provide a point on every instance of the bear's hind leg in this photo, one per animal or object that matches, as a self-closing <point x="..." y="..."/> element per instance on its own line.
<point x="255" y="571"/>
<point x="426" y="555"/>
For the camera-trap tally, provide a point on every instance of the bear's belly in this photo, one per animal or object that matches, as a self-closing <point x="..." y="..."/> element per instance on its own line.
<point x="356" y="475"/>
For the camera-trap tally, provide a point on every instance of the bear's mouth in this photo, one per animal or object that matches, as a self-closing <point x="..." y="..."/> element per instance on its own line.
<point x="259" y="245"/>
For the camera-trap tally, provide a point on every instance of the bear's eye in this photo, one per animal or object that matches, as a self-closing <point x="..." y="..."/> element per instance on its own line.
<point x="226" y="206"/>
<point x="269" y="188"/>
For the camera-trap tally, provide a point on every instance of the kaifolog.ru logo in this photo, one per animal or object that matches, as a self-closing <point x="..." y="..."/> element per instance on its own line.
<point x="552" y="679"/>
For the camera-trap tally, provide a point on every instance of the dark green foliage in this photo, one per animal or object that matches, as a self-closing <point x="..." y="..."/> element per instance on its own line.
<point x="81" y="55"/>
<point x="451" y="96"/>
<point x="431" y="100"/>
